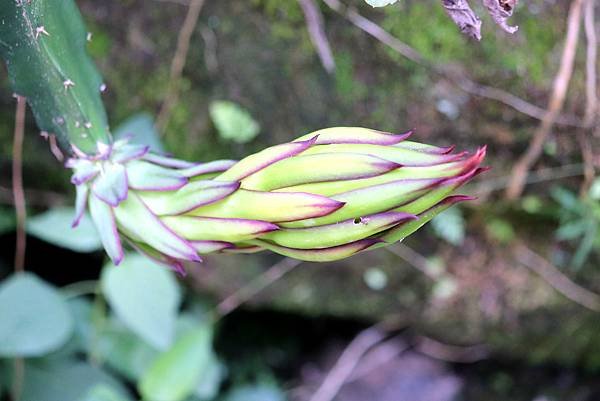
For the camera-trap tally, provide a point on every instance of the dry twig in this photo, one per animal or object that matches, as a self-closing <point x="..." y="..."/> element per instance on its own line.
<point x="556" y="279"/>
<point x="17" y="183"/>
<point x="591" y="105"/>
<point x="347" y="362"/>
<point x="178" y="62"/>
<point x="559" y="91"/>
<point x="314" y="22"/>
<point x="451" y="353"/>
<point x="255" y="286"/>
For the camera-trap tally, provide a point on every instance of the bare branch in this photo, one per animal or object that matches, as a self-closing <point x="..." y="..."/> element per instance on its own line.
<point x="255" y="286"/>
<point x="17" y="183"/>
<point x="556" y="279"/>
<point x="559" y="91"/>
<point x="314" y="22"/>
<point x="178" y="62"/>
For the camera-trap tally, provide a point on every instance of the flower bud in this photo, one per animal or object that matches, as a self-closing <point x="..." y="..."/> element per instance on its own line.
<point x="323" y="197"/>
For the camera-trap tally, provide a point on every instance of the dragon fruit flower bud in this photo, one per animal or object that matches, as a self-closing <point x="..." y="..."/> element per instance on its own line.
<point x="323" y="197"/>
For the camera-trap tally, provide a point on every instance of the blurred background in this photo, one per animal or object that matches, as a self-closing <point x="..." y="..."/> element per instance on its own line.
<point x="496" y="299"/>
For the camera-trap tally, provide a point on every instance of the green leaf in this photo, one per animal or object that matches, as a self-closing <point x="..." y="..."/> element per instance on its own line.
<point x="208" y="386"/>
<point x="123" y="351"/>
<point x="7" y="220"/>
<point x="260" y="392"/>
<point x="145" y="296"/>
<point x="176" y="373"/>
<point x="233" y="122"/>
<point x="380" y="3"/>
<point x="501" y="230"/>
<point x="450" y="226"/>
<point x="35" y="319"/>
<point x="142" y="131"/>
<point x="54" y="226"/>
<point x="43" y="43"/>
<point x="67" y="380"/>
<point x="103" y="392"/>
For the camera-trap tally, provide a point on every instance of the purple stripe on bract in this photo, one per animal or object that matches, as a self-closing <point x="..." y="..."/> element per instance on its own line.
<point x="216" y="166"/>
<point x="112" y="185"/>
<point x="81" y="177"/>
<point x="168" y="240"/>
<point x="211" y="246"/>
<point x="106" y="225"/>
<point x="130" y="152"/>
<point x="145" y="176"/>
<point x="167" y="161"/>
<point x="160" y="258"/>
<point x="380" y="138"/>
<point x="160" y="184"/>
<point x="285" y="150"/>
<point x="82" y="192"/>
<point x="323" y="254"/>
<point x="218" y="190"/>
<point x="244" y="249"/>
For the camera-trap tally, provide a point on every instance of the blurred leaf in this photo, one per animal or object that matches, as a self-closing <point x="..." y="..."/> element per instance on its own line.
<point x="450" y="226"/>
<point x="176" y="373"/>
<point x="572" y="230"/>
<point x="34" y="319"/>
<point x="585" y="247"/>
<point x="140" y="127"/>
<point x="260" y="392"/>
<point x="380" y="3"/>
<point x="567" y="199"/>
<point x="54" y="226"/>
<point x="102" y="392"/>
<point x="145" y="296"/>
<point x="501" y="230"/>
<point x="65" y="381"/>
<point x="210" y="381"/>
<point x="7" y="220"/>
<point x="594" y="192"/>
<point x="375" y="278"/>
<point x="233" y="122"/>
<point x="123" y="351"/>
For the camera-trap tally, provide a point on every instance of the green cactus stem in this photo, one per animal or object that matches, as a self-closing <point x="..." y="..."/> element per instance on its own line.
<point x="43" y="44"/>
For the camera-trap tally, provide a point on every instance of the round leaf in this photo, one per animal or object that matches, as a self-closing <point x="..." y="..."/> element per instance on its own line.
<point x="145" y="296"/>
<point x="54" y="226"/>
<point x="233" y="122"/>
<point x="35" y="319"/>
<point x="176" y="374"/>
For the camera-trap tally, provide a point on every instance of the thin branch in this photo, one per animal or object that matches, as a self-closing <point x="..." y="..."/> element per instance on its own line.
<point x="413" y="258"/>
<point x="255" y="286"/>
<point x="520" y="105"/>
<point x="347" y="362"/>
<point x="451" y="353"/>
<point x="559" y="91"/>
<point x="541" y="175"/>
<point x="556" y="279"/>
<point x="17" y="183"/>
<point x="178" y="62"/>
<point x="590" y="64"/>
<point x="591" y="105"/>
<point x="314" y="22"/>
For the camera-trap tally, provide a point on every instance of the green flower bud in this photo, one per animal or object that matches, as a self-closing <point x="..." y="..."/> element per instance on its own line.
<point x="323" y="197"/>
